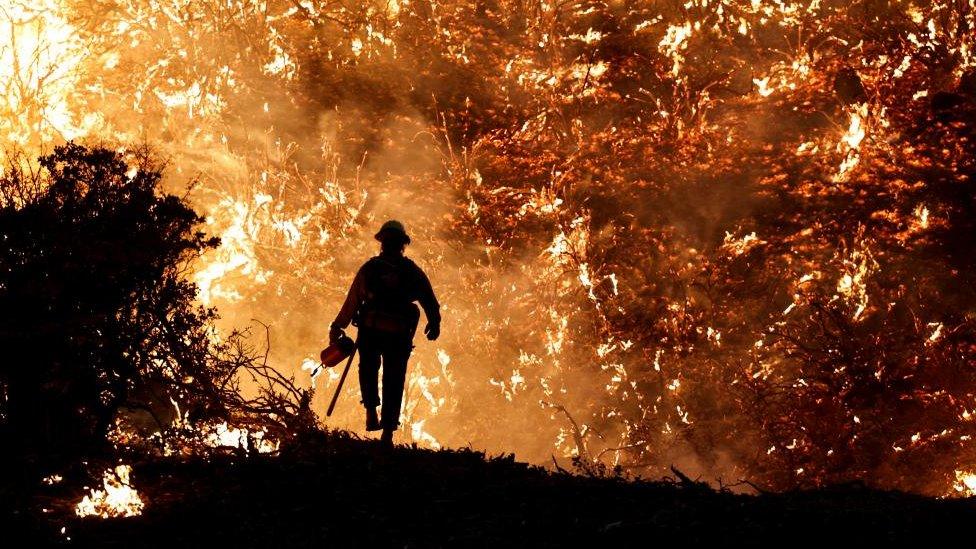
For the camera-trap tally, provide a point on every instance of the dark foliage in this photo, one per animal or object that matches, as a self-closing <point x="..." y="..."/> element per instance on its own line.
<point x="96" y="315"/>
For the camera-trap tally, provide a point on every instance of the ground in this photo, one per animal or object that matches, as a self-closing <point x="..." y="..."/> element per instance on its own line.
<point x="345" y="492"/>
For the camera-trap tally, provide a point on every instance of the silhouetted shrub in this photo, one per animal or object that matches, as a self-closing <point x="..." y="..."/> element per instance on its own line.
<point x="96" y="315"/>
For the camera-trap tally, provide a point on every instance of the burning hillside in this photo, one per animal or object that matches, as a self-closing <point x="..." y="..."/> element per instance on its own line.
<point x="731" y="235"/>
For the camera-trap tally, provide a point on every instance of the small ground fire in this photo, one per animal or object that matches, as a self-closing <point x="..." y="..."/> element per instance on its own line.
<point x="116" y="499"/>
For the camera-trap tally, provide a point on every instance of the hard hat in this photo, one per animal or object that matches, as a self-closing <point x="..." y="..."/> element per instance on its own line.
<point x="393" y="227"/>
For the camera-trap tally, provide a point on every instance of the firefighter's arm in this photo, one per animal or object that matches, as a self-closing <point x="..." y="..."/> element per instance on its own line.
<point x="432" y="309"/>
<point x="357" y="292"/>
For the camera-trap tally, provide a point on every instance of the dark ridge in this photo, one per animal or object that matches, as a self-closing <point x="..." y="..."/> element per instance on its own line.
<point x="340" y="491"/>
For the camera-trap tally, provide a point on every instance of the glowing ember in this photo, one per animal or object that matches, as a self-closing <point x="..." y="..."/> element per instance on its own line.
<point x="118" y="499"/>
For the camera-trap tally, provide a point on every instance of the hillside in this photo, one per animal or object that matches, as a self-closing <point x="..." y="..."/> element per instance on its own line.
<point x="344" y="491"/>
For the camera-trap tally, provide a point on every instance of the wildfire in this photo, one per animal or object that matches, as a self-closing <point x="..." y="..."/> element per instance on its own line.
<point x="630" y="210"/>
<point x="117" y="499"/>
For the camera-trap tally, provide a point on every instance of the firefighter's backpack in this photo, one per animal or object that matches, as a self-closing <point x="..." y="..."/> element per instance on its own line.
<point x="390" y="289"/>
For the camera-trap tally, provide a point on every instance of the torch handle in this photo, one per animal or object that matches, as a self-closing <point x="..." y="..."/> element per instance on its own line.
<point x="342" y="380"/>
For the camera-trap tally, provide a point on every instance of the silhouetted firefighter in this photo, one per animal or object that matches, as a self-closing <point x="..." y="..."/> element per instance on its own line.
<point x="381" y="304"/>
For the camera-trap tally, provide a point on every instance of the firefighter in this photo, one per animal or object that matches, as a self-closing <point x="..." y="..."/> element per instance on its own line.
<point x="381" y="304"/>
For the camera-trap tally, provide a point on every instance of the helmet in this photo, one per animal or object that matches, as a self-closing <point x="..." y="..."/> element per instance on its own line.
<point x="393" y="228"/>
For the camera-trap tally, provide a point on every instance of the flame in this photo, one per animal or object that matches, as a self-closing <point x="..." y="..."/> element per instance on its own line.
<point x="52" y="479"/>
<point x="117" y="499"/>
<point x="852" y="285"/>
<point x="850" y="142"/>
<point x="965" y="484"/>
<point x="40" y="59"/>
<point x="314" y="369"/>
<point x="675" y="40"/>
<point x="420" y="435"/>
<point x="921" y="220"/>
<point x="223" y="435"/>
<point x="763" y="86"/>
<point x="785" y="78"/>
<point x="742" y="245"/>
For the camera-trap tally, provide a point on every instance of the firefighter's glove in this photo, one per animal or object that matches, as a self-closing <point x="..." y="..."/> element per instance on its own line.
<point x="433" y="330"/>
<point x="335" y="333"/>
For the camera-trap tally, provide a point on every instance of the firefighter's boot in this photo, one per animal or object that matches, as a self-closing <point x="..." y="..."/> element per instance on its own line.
<point x="372" y="419"/>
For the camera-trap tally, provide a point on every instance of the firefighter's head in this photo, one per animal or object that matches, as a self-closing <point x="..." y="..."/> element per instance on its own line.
<point x="393" y="236"/>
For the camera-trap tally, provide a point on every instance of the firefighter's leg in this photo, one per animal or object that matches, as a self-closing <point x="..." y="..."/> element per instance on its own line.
<point x="369" y="369"/>
<point x="395" y="357"/>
